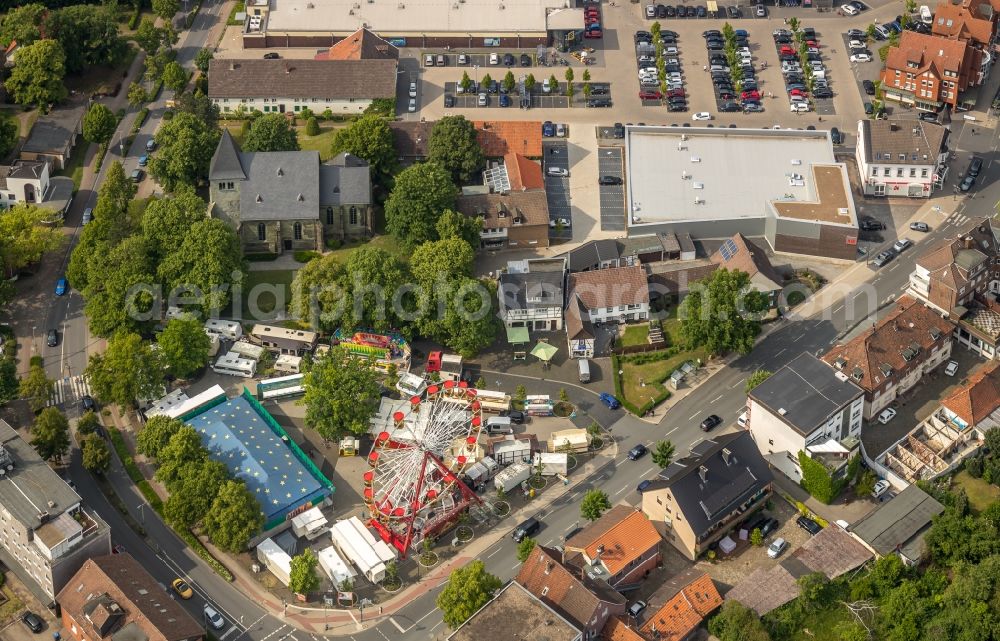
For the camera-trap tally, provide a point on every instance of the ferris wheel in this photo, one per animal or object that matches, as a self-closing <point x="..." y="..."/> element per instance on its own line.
<point x="413" y="488"/>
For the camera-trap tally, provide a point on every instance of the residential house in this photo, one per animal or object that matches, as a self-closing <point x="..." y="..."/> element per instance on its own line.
<point x="28" y="181"/>
<point x="699" y="498"/>
<point x="523" y="173"/>
<point x="950" y="275"/>
<point x="515" y="614"/>
<point x="929" y="71"/>
<point x="899" y="525"/>
<point x="531" y="294"/>
<point x="952" y="432"/>
<point x="806" y="407"/>
<point x="973" y="22"/>
<point x="360" y="45"/>
<point x="901" y="158"/>
<point x="499" y="139"/>
<point x="614" y="295"/>
<point x="410" y="139"/>
<point x="633" y="250"/>
<point x="512" y="220"/>
<point x="114" y="598"/>
<point x="53" y="136"/>
<point x="891" y="357"/>
<point x="676" y="609"/>
<point x="287" y="200"/>
<point x="739" y="253"/>
<point x="621" y="548"/>
<point x="45" y="534"/>
<point x="580" y="335"/>
<point x="584" y="602"/>
<point x="596" y="254"/>
<point x="280" y="86"/>
<point x="283" y="340"/>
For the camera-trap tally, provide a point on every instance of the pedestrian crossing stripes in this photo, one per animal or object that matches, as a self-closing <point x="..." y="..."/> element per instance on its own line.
<point x="958" y="219"/>
<point x="66" y="390"/>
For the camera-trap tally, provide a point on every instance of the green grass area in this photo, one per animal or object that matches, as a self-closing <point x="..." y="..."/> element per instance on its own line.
<point x="981" y="494"/>
<point x="672" y="328"/>
<point x="267" y="301"/>
<point x="634" y="375"/>
<point x="239" y="7"/>
<point x="635" y="335"/>
<point x="321" y="142"/>
<point x="12" y="606"/>
<point x="385" y="241"/>
<point x="74" y="167"/>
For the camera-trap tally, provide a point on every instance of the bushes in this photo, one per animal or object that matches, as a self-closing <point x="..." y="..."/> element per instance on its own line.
<point x="304" y="256"/>
<point x="139" y="119"/>
<point x="312" y="126"/>
<point x="133" y="21"/>
<point x="816" y="480"/>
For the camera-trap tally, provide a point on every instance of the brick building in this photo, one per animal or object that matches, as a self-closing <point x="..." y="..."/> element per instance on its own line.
<point x="929" y="71"/>
<point x="621" y="548"/>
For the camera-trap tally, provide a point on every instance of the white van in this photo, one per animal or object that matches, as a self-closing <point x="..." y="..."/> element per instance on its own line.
<point x="499" y="425"/>
<point x="584" y="366"/>
<point x="925" y="15"/>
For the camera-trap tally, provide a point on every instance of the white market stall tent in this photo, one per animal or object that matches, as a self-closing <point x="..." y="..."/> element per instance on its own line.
<point x="335" y="567"/>
<point x="362" y="548"/>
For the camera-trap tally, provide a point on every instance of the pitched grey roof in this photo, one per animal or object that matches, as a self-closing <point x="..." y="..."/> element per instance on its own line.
<point x="316" y="79"/>
<point x="531" y="290"/>
<point x="727" y="485"/>
<point x="281" y="185"/>
<point x="808" y="390"/>
<point x="345" y="180"/>
<point x="27" y="489"/>
<point x="226" y="160"/>
<point x="885" y="140"/>
<point x="589" y="255"/>
<point x="893" y="524"/>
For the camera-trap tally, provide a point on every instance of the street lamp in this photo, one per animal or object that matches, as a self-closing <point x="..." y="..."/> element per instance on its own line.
<point x="475" y="70"/>
<point x="121" y="146"/>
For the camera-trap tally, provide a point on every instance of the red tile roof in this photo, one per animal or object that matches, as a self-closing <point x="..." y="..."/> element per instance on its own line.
<point x="626" y="534"/>
<point x="956" y="21"/>
<point x="918" y="53"/>
<point x="910" y="324"/>
<point x="752" y="260"/>
<point x="617" y="630"/>
<point x="523" y="172"/>
<point x="360" y="45"/>
<point x="501" y="137"/>
<point x="979" y="397"/>
<point x="684" y="612"/>
<point x="611" y="287"/>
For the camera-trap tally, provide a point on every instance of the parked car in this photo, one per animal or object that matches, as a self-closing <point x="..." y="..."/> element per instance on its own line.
<point x="182" y="589"/>
<point x="150" y="145"/>
<point x="52" y="338"/>
<point x="548" y="129"/>
<point x="271" y="55"/>
<point x="807" y="524"/>
<point x="710" y="422"/>
<point x="920" y="227"/>
<point x="765" y="525"/>
<point x="902" y="245"/>
<point x="449" y="101"/>
<point x="869" y="87"/>
<point x="637" y="452"/>
<point x="213" y="618"/>
<point x="555" y="222"/>
<point x="508" y="60"/>
<point x="463" y="59"/>
<point x="871" y="224"/>
<point x="927" y="116"/>
<point x="887" y="415"/>
<point x="525" y="529"/>
<point x="61" y="286"/>
<point x="557" y="171"/>
<point x="643" y="485"/>
<point x="137" y="175"/>
<point x="951" y="368"/>
<point x="967" y="183"/>
<point x="836" y="137"/>
<point x="610" y="401"/>
<point x="777" y="547"/>
<point x="975" y="166"/>
<point x="411" y="106"/>
<point x="650" y="95"/>
<point x="883" y="258"/>
<point x="701" y="115"/>
<point x="87" y="403"/>
<point x="494" y="58"/>
<point x="861" y="57"/>
<point x="636" y="608"/>
<point x="881" y="487"/>
<point x="33" y="622"/>
<point x="429" y="60"/>
<point x="609" y="180"/>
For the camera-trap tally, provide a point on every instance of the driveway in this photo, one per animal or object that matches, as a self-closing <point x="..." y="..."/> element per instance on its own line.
<point x="557" y="192"/>
<point x="611" y="163"/>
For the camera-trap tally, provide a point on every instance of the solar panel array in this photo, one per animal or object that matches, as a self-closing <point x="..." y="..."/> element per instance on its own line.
<point x="729" y="249"/>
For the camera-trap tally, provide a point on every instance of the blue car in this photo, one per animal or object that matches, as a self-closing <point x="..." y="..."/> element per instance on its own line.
<point x="548" y="129"/>
<point x="61" y="286"/>
<point x="642" y="486"/>
<point x="610" y="401"/>
<point x="504" y="100"/>
<point x="143" y="160"/>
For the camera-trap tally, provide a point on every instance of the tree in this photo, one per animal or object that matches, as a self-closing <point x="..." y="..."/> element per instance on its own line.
<point x="520" y="392"/>
<point x="320" y="295"/>
<point x="480" y="382"/>
<point x="88" y="35"/>
<point x="8" y="380"/>
<point x="663" y="455"/>
<point x="111" y="225"/>
<point x="312" y="126"/>
<point x="167" y="221"/>
<point x="271" y="132"/>
<point x="594" y="503"/>
<point x="186" y="146"/>
<point x="36" y="388"/>
<point x="50" y="434"/>
<point x="563" y="395"/>
<point x="207" y="261"/>
<point x="508" y="83"/>
<point x="166" y="9"/>
<point x="128" y="370"/>
<point x="530" y="82"/>
<point x="865" y="484"/>
<point x="37" y="78"/>
<point x="149" y="37"/>
<point x="756" y="537"/>
<point x="569" y="82"/>
<point x="203" y="58"/>
<point x="369" y="138"/>
<point x="757" y="378"/>
<point x="468" y="589"/>
<point x="420" y="195"/>
<point x="721" y="313"/>
<point x="113" y="275"/>
<point x="453" y="145"/>
<point x="25" y="236"/>
<point x="199" y="105"/>
<point x="339" y="394"/>
<point x="453" y="224"/>
<point x="9" y="130"/>
<point x="816" y="479"/>
<point x="439" y="260"/>
<point x="22" y="24"/>
<point x="485" y="82"/>
<point x="524" y="548"/>
<point x="136" y="94"/>
<point x="182" y="452"/>
<point x="88" y="423"/>
<point x="174" y="76"/>
<point x="96" y="457"/>
<point x="373" y="275"/>
<point x="193" y="493"/>
<point x="155" y="435"/>
<point x="234" y="517"/>
<point x="302" y="578"/>
<point x="736" y="622"/>
<point x="586" y="75"/>
<point x="184" y="345"/>
<point x="99" y="124"/>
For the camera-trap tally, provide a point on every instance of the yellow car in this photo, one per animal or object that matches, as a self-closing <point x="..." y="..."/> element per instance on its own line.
<point x="182" y="589"/>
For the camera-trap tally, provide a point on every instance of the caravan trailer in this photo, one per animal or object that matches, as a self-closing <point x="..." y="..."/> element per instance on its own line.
<point x="233" y="365"/>
<point x="230" y="330"/>
<point x="494" y="402"/>
<point x="288" y="364"/>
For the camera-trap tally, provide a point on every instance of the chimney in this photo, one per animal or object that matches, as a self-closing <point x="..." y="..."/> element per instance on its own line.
<point x="703" y="472"/>
<point x="893" y="127"/>
<point x="727" y="456"/>
<point x="969" y="244"/>
<point x="233" y="66"/>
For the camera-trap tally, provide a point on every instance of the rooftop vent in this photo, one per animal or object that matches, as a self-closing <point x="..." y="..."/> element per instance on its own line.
<point x="259" y="199"/>
<point x="703" y="473"/>
<point x="301" y="198"/>
<point x="782" y="411"/>
<point x="281" y="172"/>
<point x="52" y="505"/>
<point x="727" y="456"/>
<point x="6" y="461"/>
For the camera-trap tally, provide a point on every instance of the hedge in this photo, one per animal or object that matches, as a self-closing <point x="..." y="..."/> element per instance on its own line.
<point x="101" y="152"/>
<point x="140" y="119"/>
<point x="816" y="480"/>
<point x="125" y="456"/>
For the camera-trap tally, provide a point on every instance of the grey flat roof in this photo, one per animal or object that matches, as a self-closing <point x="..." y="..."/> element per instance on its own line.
<point x="26" y="490"/>
<point x="53" y="132"/>
<point x="808" y="390"/>
<point x="678" y="174"/>
<point x="894" y="523"/>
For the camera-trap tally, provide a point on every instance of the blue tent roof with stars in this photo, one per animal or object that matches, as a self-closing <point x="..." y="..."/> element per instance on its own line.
<point x="236" y="433"/>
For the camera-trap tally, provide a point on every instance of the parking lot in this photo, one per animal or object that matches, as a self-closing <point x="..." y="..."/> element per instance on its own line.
<point x="610" y="163"/>
<point x="481" y="60"/>
<point x="557" y="188"/>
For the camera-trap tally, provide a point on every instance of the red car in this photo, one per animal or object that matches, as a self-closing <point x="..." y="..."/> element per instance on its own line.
<point x="812" y="43"/>
<point x="796" y="92"/>
<point x="592" y="13"/>
<point x="650" y="95"/>
<point x="787" y="51"/>
<point x="675" y="93"/>
<point x="751" y="95"/>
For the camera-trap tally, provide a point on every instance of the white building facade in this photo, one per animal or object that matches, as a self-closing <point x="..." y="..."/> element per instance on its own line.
<point x="896" y="159"/>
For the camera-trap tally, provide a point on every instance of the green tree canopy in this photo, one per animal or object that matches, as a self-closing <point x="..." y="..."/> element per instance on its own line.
<point x="128" y="370"/>
<point x="186" y="146"/>
<point x="234" y="517"/>
<point x="174" y="76"/>
<point x="22" y="24"/>
<point x="111" y="277"/>
<point x="420" y="195"/>
<point x="441" y="260"/>
<point x="663" y="454"/>
<point x="319" y="294"/>
<point x="166" y="9"/>
<point x="96" y="457"/>
<point x="150" y="37"/>
<point x="721" y="313"/>
<point x="208" y="259"/>
<point x="453" y="145"/>
<point x="111" y="225"/>
<point x="169" y="220"/>
<point x="25" y="236"/>
<point x="99" y="124"/>
<point x="193" y="493"/>
<point x="757" y="378"/>
<point x="88" y="35"/>
<point x="736" y="622"/>
<point x="341" y="394"/>
<point x="181" y="453"/>
<point x="374" y="275"/>
<point x="199" y="105"/>
<point x="36" y="388"/>
<point x="594" y="504"/>
<point x="88" y="423"/>
<point x="271" y="132"/>
<point x="452" y="224"/>
<point x="156" y="433"/>
<point x="468" y="589"/>
<point x="303" y="578"/>
<point x="185" y="346"/>
<point x="50" y="434"/>
<point x="9" y="130"/>
<point x="524" y="548"/>
<point x="370" y="138"/>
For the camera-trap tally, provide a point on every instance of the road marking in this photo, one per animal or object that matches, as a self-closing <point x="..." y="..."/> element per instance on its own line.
<point x="490" y="555"/>
<point x="797" y="338"/>
<point x="515" y="566"/>
<point x="382" y="633"/>
<point x="646" y="473"/>
<point x="436" y="625"/>
<point x="781" y="352"/>
<point x="738" y="383"/>
<point x="692" y="417"/>
<point x="675" y="429"/>
<point x="398" y="627"/>
<point x="573" y="527"/>
<point x="231" y="629"/>
<point x="616" y="494"/>
<point x="717" y="398"/>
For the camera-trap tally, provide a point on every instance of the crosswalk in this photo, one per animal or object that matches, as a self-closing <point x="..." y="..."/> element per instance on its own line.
<point x="68" y="389"/>
<point x="958" y="219"/>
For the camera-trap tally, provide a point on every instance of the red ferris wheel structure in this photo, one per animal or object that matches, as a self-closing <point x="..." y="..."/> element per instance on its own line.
<point x="413" y="489"/>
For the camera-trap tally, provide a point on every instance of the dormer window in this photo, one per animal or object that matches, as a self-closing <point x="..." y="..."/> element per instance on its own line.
<point x="259" y="199"/>
<point x="300" y="198"/>
<point x="281" y="172"/>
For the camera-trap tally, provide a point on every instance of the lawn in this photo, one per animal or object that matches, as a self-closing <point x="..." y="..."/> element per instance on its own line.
<point x="672" y="328"/>
<point x="322" y="142"/>
<point x="74" y="167"/>
<point x="385" y="241"/>
<point x="981" y="494"/>
<point x="266" y="300"/>
<point x="634" y="375"/>
<point x="635" y="335"/>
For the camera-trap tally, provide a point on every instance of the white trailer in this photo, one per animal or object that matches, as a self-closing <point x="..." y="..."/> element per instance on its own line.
<point x="572" y="440"/>
<point x="231" y="330"/>
<point x="275" y="559"/>
<point x="288" y="364"/>
<point x="509" y="478"/>
<point x="232" y="364"/>
<point x="482" y="471"/>
<point x="411" y="385"/>
<point x="361" y="548"/>
<point x="451" y="367"/>
<point x="491" y="401"/>
<point x="248" y="350"/>
<point x="512" y="450"/>
<point x="335" y="567"/>
<point x="552" y="463"/>
<point x="309" y="524"/>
